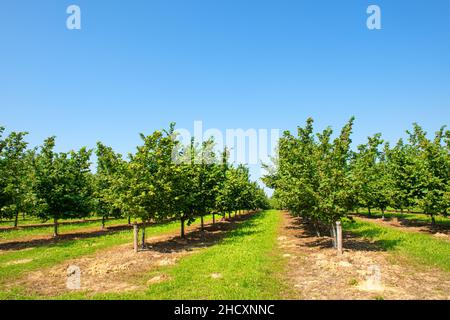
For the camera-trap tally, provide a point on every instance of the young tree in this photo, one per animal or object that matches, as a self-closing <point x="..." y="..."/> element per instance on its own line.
<point x="151" y="178"/>
<point x="220" y="205"/>
<point x="62" y="184"/>
<point x="433" y="171"/>
<point x="16" y="176"/>
<point x="3" y="198"/>
<point x="197" y="183"/>
<point x="108" y="186"/>
<point x="402" y="167"/>
<point x="365" y="175"/>
<point x="383" y="186"/>
<point x="312" y="177"/>
<point x="207" y="173"/>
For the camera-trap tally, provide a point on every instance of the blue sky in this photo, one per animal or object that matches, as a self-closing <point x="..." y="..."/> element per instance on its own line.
<point x="137" y="65"/>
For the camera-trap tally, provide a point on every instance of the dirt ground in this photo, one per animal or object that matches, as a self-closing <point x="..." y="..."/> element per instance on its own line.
<point x="119" y="269"/>
<point x="314" y="270"/>
<point x="362" y="272"/>
<point x="32" y="241"/>
<point x="441" y="232"/>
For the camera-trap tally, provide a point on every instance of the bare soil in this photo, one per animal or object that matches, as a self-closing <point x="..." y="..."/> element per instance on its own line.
<point x="119" y="269"/>
<point x="363" y="272"/>
<point x="44" y="225"/>
<point x="31" y="241"/>
<point x="439" y="231"/>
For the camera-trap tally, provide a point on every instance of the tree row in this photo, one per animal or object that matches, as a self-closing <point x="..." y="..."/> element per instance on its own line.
<point x="323" y="179"/>
<point x="162" y="180"/>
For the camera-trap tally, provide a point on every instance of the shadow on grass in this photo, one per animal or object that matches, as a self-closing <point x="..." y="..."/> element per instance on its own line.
<point x="61" y="239"/>
<point x="212" y="235"/>
<point x="353" y="239"/>
<point x="405" y="221"/>
<point x="196" y="237"/>
<point x="440" y="227"/>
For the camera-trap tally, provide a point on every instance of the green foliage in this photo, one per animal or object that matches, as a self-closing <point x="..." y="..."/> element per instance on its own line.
<point x="421" y="249"/>
<point x="151" y="178"/>
<point x="245" y="259"/>
<point x="62" y="183"/>
<point x="312" y="176"/>
<point x="16" y="194"/>
<point x="420" y="172"/>
<point x="161" y="180"/>
<point x="324" y="180"/>
<point x="108" y="183"/>
<point x="166" y="180"/>
<point x="433" y="171"/>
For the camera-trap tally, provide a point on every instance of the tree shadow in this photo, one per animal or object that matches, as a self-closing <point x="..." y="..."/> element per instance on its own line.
<point x="64" y="238"/>
<point x="401" y="220"/>
<point x="211" y="235"/>
<point x="425" y="226"/>
<point x="351" y="241"/>
<point x="355" y="242"/>
<point x="61" y="239"/>
<point x="48" y="225"/>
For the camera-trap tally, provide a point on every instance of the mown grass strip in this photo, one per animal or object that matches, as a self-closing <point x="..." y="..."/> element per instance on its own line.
<point x="245" y="263"/>
<point x="421" y="249"/>
<point x="18" y="234"/>
<point x="412" y="217"/>
<point x="13" y="264"/>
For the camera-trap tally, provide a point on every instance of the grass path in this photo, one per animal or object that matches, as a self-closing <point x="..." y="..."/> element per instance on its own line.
<point x="317" y="272"/>
<point x="418" y="248"/>
<point x="251" y="261"/>
<point x="244" y="264"/>
<point x="441" y="221"/>
<point x="28" y="233"/>
<point x="13" y="264"/>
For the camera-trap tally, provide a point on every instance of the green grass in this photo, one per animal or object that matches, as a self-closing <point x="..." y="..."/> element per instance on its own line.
<point x="246" y="259"/>
<point x="28" y="220"/>
<point x="43" y="256"/>
<point x="48" y="255"/>
<point x="418" y="248"/>
<point x="17" y="234"/>
<point x="413" y="217"/>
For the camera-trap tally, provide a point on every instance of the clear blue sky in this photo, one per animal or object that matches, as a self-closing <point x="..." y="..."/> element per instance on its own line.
<point x="137" y="65"/>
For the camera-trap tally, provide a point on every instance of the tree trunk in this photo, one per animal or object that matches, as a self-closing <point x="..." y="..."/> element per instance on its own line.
<point x="135" y="237"/>
<point x="433" y="221"/>
<point x="182" y="229"/>
<point x="55" y="227"/>
<point x="129" y="220"/>
<point x="339" y="237"/>
<point x="316" y="227"/>
<point x="16" y="220"/>
<point x="382" y="214"/>
<point x="203" y="223"/>
<point x="229" y="215"/>
<point x="333" y="235"/>
<point x="214" y="218"/>
<point x="143" y="236"/>
<point x="103" y="222"/>
<point x="370" y="212"/>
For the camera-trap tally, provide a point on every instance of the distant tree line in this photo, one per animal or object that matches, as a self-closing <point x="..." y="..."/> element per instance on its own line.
<point x="323" y="179"/>
<point x="163" y="179"/>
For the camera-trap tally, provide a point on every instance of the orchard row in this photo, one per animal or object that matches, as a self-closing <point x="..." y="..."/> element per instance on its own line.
<point x="324" y="180"/>
<point x="148" y="185"/>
